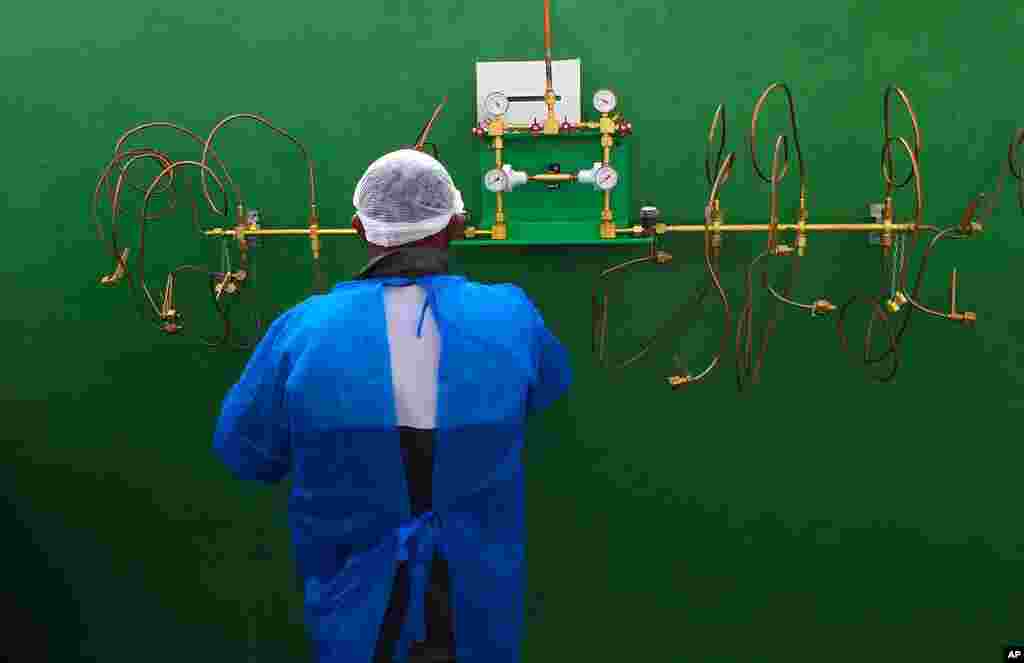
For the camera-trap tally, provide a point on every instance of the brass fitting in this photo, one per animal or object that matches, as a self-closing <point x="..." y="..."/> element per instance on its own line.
<point x="607" y="127"/>
<point x="499" y="230"/>
<point x="663" y="257"/>
<point x="801" y="227"/>
<point x="314" y="231"/>
<point x="896" y="303"/>
<point x="170" y="318"/>
<point x="660" y="228"/>
<point x="677" y="381"/>
<point x="497" y="127"/>
<point x="782" y="250"/>
<point x="885" y="237"/>
<point x="966" y="318"/>
<point x="822" y="306"/>
<point x="114" y="277"/>
<point x="240" y="227"/>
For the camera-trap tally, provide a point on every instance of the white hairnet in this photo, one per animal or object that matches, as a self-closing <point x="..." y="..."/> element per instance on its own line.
<point x="405" y="196"/>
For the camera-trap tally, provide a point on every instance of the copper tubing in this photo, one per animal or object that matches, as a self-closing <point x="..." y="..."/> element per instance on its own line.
<point x="709" y="169"/>
<point x="711" y="262"/>
<point x="206" y="194"/>
<point x="877" y="313"/>
<point x="744" y="327"/>
<point x="1017" y="173"/>
<point x="773" y="196"/>
<point x="915" y="173"/>
<point x="601" y="311"/>
<point x="264" y="232"/>
<point x="249" y="116"/>
<point x="425" y="132"/>
<point x="811" y="227"/>
<point x="549" y="83"/>
<point x="887" y="165"/>
<point x="115" y="205"/>
<point x="216" y="304"/>
<point x="796" y="138"/>
<point x="145" y="208"/>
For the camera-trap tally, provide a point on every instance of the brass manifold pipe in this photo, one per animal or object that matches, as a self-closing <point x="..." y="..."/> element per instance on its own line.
<point x="270" y="232"/>
<point x="552" y="177"/>
<point x="470" y="232"/>
<point x="662" y="229"/>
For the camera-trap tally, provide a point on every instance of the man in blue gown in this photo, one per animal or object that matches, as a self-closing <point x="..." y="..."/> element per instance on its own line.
<point x="398" y="402"/>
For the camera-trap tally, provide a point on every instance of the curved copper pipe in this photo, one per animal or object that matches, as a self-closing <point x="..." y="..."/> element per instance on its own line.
<point x="115" y="210"/>
<point x="744" y="327"/>
<point x="915" y="166"/>
<point x="170" y="125"/>
<point x="709" y="170"/>
<point x="781" y="145"/>
<point x="425" y="132"/>
<point x="145" y="208"/>
<point x="796" y="137"/>
<point x="250" y="116"/>
<point x="887" y="166"/>
<point x="1017" y="173"/>
<point x="710" y="262"/>
<point x="878" y="313"/>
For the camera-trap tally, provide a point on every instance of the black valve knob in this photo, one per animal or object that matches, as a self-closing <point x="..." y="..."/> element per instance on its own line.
<point x="649" y="216"/>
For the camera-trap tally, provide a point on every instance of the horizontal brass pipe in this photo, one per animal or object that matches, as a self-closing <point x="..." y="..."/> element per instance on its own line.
<point x="810" y="227"/>
<point x="231" y="232"/>
<point x="552" y="177"/>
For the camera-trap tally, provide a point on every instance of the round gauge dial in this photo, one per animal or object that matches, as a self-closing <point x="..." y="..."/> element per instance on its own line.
<point x="496" y="104"/>
<point x="496" y="180"/>
<point x="605" y="101"/>
<point x="606" y="178"/>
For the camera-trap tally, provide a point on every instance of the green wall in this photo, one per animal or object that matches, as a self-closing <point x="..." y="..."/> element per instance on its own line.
<point x="818" y="514"/>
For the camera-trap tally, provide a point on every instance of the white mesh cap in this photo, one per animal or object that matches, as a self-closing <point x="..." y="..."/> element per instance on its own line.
<point x="405" y="196"/>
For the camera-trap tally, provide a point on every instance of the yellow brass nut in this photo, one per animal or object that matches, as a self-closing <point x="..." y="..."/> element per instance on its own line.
<point x="660" y="228"/>
<point x="663" y="257"/>
<point x="496" y="127"/>
<point x="679" y="380"/>
<point x="499" y="231"/>
<point x="824" y="306"/>
<point x="970" y="318"/>
<point x="607" y="126"/>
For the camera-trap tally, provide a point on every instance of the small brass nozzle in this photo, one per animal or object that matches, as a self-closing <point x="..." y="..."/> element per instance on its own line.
<point x="677" y="381"/>
<point x="823" y="306"/>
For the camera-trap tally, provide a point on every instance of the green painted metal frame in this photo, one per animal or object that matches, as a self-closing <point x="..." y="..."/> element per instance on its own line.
<point x="567" y="214"/>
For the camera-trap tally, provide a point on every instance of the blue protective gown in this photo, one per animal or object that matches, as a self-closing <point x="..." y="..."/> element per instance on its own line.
<point x="316" y="400"/>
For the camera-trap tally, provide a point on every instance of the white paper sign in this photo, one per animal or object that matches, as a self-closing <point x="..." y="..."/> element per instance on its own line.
<point x="526" y="79"/>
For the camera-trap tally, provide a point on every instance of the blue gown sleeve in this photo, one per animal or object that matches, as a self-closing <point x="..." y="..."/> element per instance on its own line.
<point x="252" y="434"/>
<point x="553" y="373"/>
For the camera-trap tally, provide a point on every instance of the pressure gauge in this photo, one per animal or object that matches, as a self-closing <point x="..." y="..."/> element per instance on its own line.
<point x="605" y="101"/>
<point x="496" y="104"/>
<point x="606" y="178"/>
<point x="496" y="180"/>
